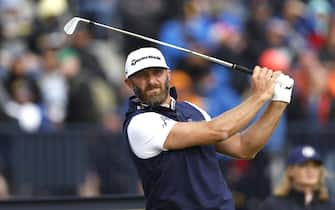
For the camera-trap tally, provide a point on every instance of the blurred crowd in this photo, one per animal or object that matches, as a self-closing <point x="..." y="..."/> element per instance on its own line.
<point x="50" y="80"/>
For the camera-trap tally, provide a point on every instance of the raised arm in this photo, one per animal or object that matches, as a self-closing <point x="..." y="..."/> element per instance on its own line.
<point x="246" y="144"/>
<point x="187" y="134"/>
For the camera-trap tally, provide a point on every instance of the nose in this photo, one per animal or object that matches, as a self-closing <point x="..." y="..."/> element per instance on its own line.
<point x="151" y="78"/>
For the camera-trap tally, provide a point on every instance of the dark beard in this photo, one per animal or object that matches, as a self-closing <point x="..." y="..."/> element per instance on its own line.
<point x="153" y="101"/>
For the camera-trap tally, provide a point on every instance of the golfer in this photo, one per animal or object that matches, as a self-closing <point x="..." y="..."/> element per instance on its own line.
<point x="174" y="144"/>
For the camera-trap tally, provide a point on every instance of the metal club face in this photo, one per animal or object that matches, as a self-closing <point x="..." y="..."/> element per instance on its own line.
<point x="71" y="25"/>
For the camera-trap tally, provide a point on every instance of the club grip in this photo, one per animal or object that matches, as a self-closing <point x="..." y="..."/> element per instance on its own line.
<point x="242" y="69"/>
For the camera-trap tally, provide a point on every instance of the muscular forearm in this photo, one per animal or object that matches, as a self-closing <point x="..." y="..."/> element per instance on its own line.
<point x="256" y="136"/>
<point x="225" y="128"/>
<point x="216" y="130"/>
<point x="235" y="119"/>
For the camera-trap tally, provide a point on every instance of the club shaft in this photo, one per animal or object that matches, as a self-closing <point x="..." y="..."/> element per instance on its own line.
<point x="209" y="58"/>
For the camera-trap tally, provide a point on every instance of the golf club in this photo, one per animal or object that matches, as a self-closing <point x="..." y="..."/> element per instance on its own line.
<point x="71" y="26"/>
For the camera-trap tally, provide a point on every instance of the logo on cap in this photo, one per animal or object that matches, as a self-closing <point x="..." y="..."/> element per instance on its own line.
<point x="308" y="152"/>
<point x="134" y="61"/>
<point x="144" y="58"/>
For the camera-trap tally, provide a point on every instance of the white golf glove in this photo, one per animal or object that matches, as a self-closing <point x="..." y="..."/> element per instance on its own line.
<point x="283" y="89"/>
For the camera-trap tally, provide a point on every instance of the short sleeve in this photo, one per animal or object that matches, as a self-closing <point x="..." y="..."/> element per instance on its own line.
<point x="147" y="133"/>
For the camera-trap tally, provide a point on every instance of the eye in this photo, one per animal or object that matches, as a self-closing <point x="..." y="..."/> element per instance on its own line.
<point x="141" y="74"/>
<point x="158" y="72"/>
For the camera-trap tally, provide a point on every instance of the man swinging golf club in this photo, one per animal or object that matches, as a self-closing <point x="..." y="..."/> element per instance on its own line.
<point x="174" y="144"/>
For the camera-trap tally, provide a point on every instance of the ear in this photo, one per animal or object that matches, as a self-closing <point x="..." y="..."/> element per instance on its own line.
<point x="128" y="83"/>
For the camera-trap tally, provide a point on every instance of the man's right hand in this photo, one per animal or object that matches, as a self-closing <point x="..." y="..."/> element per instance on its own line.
<point x="263" y="82"/>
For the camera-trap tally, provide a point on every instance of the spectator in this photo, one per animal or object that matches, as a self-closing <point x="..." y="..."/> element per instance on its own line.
<point x="24" y="101"/>
<point x="255" y="28"/>
<point x="189" y="29"/>
<point x="80" y="95"/>
<point x="327" y="53"/>
<point x="82" y="43"/>
<point x="303" y="185"/>
<point x="146" y="20"/>
<point x="183" y="83"/>
<point x="52" y="79"/>
<point x="312" y="102"/>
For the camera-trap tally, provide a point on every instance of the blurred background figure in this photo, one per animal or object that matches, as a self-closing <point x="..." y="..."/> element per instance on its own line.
<point x="24" y="94"/>
<point x="183" y="83"/>
<point x="303" y="185"/>
<point x="51" y="78"/>
<point x="313" y="102"/>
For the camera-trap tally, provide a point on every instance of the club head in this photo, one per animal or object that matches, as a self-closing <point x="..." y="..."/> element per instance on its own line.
<point x="71" y="25"/>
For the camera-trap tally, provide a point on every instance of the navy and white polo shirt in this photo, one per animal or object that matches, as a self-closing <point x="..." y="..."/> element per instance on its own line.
<point x="185" y="179"/>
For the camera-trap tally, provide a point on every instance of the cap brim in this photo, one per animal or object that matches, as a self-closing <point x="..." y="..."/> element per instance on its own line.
<point x="304" y="160"/>
<point x="150" y="67"/>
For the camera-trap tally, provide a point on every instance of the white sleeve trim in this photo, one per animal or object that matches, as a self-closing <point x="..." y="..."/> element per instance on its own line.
<point x="203" y="112"/>
<point x="147" y="133"/>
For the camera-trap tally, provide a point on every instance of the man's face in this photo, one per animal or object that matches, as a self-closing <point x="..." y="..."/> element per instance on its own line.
<point x="306" y="174"/>
<point x="151" y="86"/>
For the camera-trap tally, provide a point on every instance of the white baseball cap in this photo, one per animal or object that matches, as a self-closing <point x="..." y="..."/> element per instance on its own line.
<point x="144" y="58"/>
